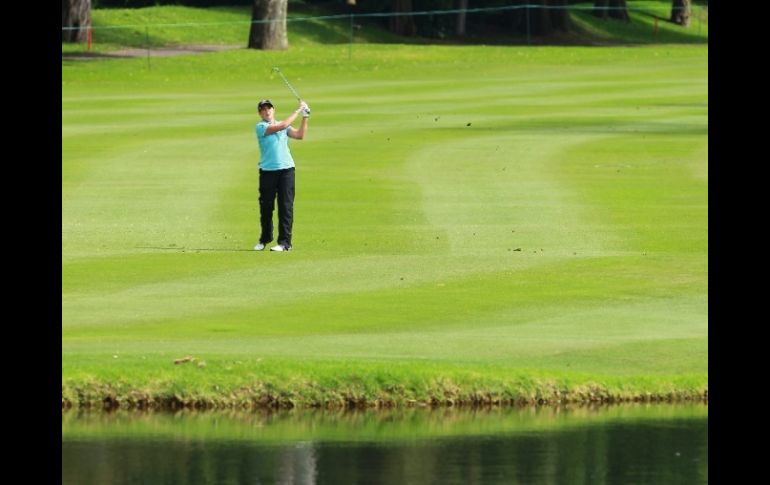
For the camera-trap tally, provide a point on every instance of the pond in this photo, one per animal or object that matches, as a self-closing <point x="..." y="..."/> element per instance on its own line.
<point x="640" y="443"/>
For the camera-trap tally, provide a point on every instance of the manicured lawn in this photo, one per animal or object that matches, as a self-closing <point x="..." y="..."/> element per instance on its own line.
<point x="511" y="222"/>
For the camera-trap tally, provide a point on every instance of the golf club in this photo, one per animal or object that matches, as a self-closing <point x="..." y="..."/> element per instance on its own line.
<point x="293" y="91"/>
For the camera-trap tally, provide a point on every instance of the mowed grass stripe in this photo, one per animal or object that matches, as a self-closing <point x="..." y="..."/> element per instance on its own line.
<point x="548" y="342"/>
<point x="500" y="196"/>
<point x="162" y="192"/>
<point x="627" y="191"/>
<point x="212" y="306"/>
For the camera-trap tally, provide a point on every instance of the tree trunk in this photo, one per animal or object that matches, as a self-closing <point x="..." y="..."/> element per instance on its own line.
<point x="615" y="9"/>
<point x="600" y="8"/>
<point x="680" y="12"/>
<point x="543" y="18"/>
<point x="549" y="20"/>
<point x="268" y="25"/>
<point x="402" y="24"/>
<point x="75" y="14"/>
<point x="462" y="4"/>
<point x="559" y="16"/>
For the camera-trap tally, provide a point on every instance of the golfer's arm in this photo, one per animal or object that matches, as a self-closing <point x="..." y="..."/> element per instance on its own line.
<point x="299" y="134"/>
<point x="282" y="125"/>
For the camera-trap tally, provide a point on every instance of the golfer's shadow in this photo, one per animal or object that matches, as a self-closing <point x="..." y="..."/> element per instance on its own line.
<point x="183" y="249"/>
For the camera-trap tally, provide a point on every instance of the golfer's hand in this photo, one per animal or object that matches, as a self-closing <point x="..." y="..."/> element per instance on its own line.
<point x="305" y="109"/>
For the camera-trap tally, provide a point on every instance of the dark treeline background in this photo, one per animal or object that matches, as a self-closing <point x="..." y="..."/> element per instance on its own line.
<point x="513" y="22"/>
<point x="536" y="21"/>
<point x="362" y="6"/>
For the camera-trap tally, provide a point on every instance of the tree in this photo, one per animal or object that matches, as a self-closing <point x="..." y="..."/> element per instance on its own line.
<point x="268" y="25"/>
<point x="463" y="4"/>
<point x="680" y="12"/>
<point x="76" y="18"/>
<point x="552" y="19"/>
<point x="615" y="9"/>
<point x="402" y="24"/>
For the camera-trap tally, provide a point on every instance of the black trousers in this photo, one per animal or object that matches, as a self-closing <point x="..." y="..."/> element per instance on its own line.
<point x="280" y="184"/>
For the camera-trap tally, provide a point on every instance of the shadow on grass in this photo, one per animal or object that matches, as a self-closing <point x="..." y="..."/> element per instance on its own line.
<point x="197" y="250"/>
<point x="640" y="30"/>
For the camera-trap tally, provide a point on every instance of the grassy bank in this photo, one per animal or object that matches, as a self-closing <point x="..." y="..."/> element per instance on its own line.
<point x="474" y="225"/>
<point x="220" y="383"/>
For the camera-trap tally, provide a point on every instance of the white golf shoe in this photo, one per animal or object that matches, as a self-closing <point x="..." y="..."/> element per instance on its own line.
<point x="280" y="247"/>
<point x="259" y="247"/>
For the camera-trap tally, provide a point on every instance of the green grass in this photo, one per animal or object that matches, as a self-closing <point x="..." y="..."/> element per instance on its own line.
<point x="642" y="27"/>
<point x="166" y="25"/>
<point x="160" y="26"/>
<point x="473" y="224"/>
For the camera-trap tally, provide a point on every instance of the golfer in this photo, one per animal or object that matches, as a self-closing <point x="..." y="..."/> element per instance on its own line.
<point x="276" y="172"/>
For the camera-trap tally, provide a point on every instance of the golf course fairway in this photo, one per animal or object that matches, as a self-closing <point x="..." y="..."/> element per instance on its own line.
<point x="472" y="225"/>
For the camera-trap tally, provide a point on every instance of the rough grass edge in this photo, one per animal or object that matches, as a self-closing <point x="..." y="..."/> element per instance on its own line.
<point x="437" y="393"/>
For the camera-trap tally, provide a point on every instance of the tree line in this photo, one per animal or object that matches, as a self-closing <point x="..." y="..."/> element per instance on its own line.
<point x="268" y="27"/>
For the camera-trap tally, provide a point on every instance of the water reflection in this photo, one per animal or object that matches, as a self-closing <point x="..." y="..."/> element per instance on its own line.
<point x="623" y="444"/>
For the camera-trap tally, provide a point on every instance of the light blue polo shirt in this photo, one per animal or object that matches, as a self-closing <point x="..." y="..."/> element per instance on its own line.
<point x="274" y="151"/>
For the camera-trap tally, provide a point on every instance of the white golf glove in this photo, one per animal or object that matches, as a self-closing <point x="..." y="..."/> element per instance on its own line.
<point x="304" y="109"/>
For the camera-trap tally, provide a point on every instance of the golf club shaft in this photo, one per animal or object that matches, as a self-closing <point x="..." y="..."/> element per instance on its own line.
<point x="286" y="81"/>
